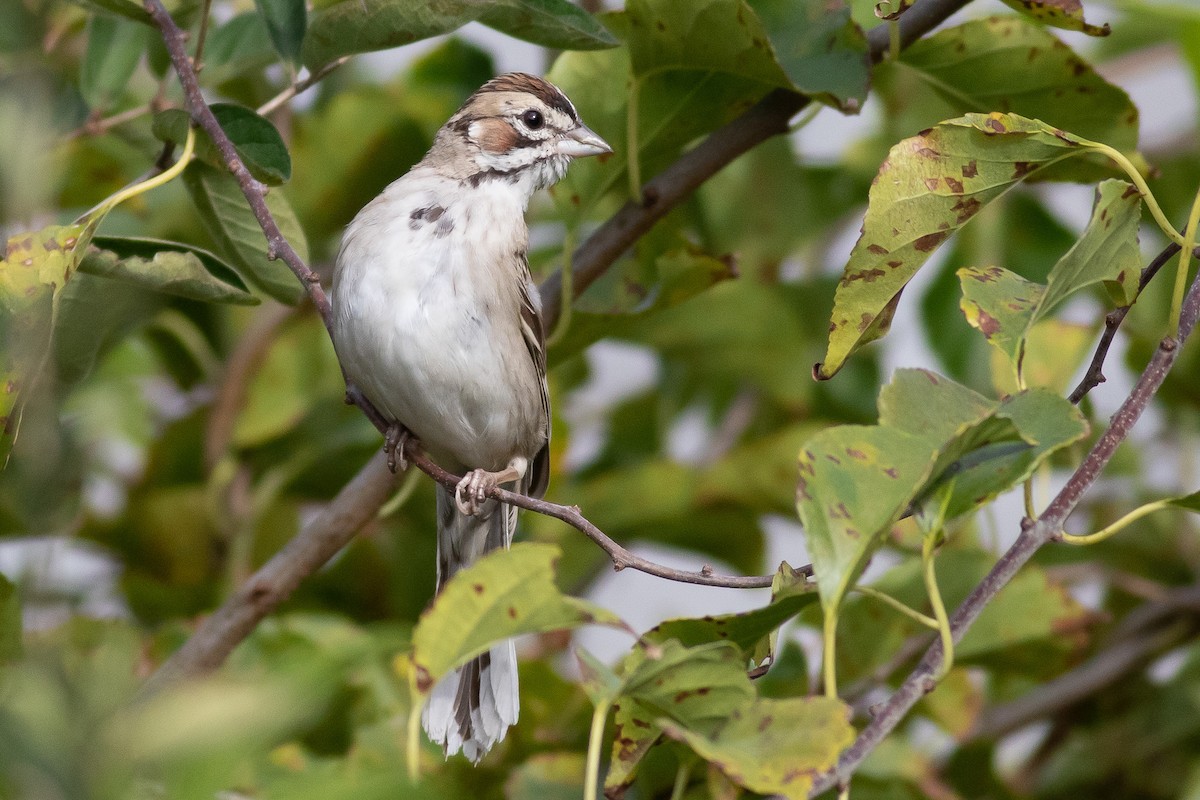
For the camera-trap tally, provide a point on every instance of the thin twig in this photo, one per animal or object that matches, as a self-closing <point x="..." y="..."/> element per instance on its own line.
<point x="300" y="86"/>
<point x="1112" y="322"/>
<point x="1032" y="537"/>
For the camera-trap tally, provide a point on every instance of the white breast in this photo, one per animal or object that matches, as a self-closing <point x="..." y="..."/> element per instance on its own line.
<point x="427" y="318"/>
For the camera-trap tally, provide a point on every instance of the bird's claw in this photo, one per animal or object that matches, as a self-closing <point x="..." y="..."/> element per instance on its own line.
<point x="393" y="444"/>
<point x="472" y="490"/>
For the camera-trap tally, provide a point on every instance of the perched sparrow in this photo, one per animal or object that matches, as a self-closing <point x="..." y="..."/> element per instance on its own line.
<point x="437" y="321"/>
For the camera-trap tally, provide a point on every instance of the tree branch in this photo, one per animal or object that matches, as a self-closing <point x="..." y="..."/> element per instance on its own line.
<point x="768" y="118"/>
<point x="1033" y="535"/>
<point x="321" y="539"/>
<point x="1112" y="321"/>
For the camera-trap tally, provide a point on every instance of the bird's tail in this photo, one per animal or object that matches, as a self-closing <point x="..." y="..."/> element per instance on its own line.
<point x="472" y="708"/>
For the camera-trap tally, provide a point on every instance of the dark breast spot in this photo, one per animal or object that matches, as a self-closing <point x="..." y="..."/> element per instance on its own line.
<point x="432" y="214"/>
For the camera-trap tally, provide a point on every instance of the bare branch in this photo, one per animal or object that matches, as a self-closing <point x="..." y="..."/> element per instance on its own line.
<point x="301" y="86"/>
<point x="1033" y="535"/>
<point x="1112" y="322"/>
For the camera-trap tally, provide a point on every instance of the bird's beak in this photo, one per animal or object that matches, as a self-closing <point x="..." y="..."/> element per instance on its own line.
<point x="583" y="141"/>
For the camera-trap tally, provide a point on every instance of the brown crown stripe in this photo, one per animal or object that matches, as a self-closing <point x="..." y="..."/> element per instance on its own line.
<point x="547" y="92"/>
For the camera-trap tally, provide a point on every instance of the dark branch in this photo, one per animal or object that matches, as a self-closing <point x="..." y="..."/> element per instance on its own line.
<point x="1112" y="322"/>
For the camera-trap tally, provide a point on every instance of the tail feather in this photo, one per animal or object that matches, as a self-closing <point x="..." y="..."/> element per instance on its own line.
<point x="473" y="708"/>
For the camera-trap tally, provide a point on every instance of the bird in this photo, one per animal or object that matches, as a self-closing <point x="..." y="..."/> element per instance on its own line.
<point x="437" y="321"/>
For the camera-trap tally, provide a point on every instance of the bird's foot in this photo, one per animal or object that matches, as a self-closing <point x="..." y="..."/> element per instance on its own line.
<point x="473" y="489"/>
<point x="393" y="444"/>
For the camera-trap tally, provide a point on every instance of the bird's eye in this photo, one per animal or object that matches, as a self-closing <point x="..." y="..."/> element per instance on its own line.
<point x="533" y="119"/>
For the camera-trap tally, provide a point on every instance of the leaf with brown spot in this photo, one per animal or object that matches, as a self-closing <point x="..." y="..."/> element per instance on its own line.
<point x="1006" y="307"/>
<point x="1066" y="14"/>
<point x="906" y="221"/>
<point x="504" y="594"/>
<point x="35" y="268"/>
<point x="801" y="737"/>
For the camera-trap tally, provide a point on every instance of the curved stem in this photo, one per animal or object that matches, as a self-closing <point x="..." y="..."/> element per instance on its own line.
<point x="1136" y="177"/>
<point x="595" y="743"/>
<point x="1185" y="260"/>
<point x="888" y="600"/>
<point x="928" y="549"/>
<point x="166" y="176"/>
<point x="681" y="779"/>
<point x="1116" y="527"/>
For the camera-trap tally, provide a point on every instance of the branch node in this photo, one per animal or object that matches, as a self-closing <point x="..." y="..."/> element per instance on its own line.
<point x="1027" y="523"/>
<point x="928" y="684"/>
<point x="1168" y="344"/>
<point x="650" y="197"/>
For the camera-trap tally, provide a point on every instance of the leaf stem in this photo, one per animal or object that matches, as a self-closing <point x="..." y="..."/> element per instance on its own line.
<point x="894" y="39"/>
<point x="412" y="747"/>
<point x="1116" y="527"/>
<point x="928" y="550"/>
<point x="595" y="741"/>
<point x="1140" y="182"/>
<point x="888" y="600"/>
<point x="681" y="778"/>
<point x="632" y="160"/>
<point x="112" y="201"/>
<point x="1185" y="260"/>
<point x="829" y="653"/>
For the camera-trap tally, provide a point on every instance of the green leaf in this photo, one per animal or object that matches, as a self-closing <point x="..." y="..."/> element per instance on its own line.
<point x="695" y="687"/>
<point x="855" y="482"/>
<point x="238" y="48"/>
<point x="125" y="8"/>
<point x="286" y="22"/>
<point x="1005" y="307"/>
<point x="774" y="746"/>
<point x="1191" y="502"/>
<point x="299" y="371"/>
<point x="820" y="48"/>
<point x="361" y="26"/>
<point x="930" y="185"/>
<point x="504" y="594"/>
<point x="256" y="140"/>
<point x="1066" y="14"/>
<point x="170" y="267"/>
<point x="557" y="24"/>
<point x="1007" y="64"/>
<point x="94" y="315"/>
<point x="114" y="48"/>
<point x="231" y="224"/>
<point x="10" y="621"/>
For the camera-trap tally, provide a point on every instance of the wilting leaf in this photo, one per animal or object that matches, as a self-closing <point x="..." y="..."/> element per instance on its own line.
<point x="930" y="185"/>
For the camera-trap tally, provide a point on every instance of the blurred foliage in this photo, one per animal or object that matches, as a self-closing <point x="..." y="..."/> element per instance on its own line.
<point x="175" y="411"/>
